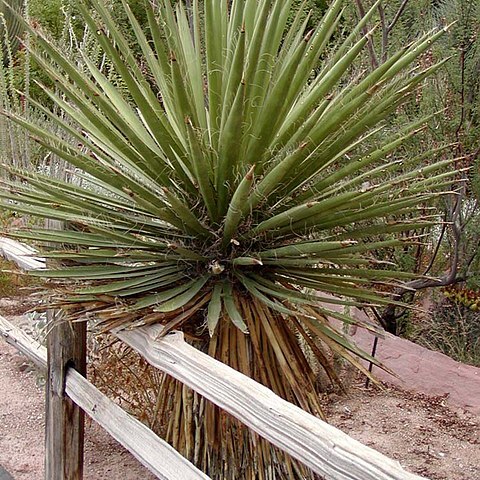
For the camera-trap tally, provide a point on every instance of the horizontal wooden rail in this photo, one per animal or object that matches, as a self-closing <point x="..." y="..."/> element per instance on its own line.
<point x="157" y="455"/>
<point x="16" y="337"/>
<point x="322" y="447"/>
<point x="21" y="254"/>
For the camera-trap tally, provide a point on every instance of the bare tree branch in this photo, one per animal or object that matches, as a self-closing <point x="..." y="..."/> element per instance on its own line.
<point x="397" y="15"/>
<point x="371" y="50"/>
<point x="469" y="262"/>
<point x="389" y="316"/>
<point x="437" y="248"/>
<point x="385" y="33"/>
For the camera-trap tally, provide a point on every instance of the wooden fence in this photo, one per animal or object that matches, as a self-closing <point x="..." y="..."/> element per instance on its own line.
<point x="158" y="456"/>
<point x="320" y="446"/>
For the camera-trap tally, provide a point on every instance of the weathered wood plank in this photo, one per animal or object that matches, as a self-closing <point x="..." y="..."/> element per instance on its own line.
<point x="318" y="445"/>
<point x="158" y="456"/>
<point x="153" y="452"/>
<point x="322" y="447"/>
<point x="22" y="255"/>
<point x="64" y="420"/>
<point x="36" y="352"/>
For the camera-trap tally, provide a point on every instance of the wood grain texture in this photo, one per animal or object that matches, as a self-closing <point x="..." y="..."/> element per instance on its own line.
<point x="36" y="352"/>
<point x="64" y="420"/>
<point x="158" y="456"/>
<point x="153" y="452"/>
<point x="21" y="254"/>
<point x="322" y="447"/>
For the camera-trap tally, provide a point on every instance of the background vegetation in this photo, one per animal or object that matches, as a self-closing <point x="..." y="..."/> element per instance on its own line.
<point x="451" y="253"/>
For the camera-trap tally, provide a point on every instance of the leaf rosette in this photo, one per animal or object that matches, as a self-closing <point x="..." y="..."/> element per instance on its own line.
<point x="234" y="183"/>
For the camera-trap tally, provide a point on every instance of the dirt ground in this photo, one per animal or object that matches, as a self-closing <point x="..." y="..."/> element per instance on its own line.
<point x="426" y="436"/>
<point x="22" y="419"/>
<point x="421" y="432"/>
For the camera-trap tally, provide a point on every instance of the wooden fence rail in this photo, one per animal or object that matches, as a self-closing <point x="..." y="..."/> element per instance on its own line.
<point x="322" y="447"/>
<point x="157" y="455"/>
<point x="325" y="449"/>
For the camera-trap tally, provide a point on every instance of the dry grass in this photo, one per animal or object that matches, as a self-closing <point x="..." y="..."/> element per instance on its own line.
<point x="125" y="376"/>
<point x="13" y="282"/>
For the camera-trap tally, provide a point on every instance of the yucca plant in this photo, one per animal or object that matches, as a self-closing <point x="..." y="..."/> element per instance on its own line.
<point x="236" y="190"/>
<point x="14" y="148"/>
<point x="11" y="28"/>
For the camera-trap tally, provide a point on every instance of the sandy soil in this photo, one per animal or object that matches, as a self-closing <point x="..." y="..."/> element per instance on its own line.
<point x="421" y="432"/>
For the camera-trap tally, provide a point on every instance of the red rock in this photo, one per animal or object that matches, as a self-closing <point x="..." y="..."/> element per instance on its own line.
<point x="422" y="370"/>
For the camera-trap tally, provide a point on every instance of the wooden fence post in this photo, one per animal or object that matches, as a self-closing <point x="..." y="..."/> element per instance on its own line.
<point x="64" y="420"/>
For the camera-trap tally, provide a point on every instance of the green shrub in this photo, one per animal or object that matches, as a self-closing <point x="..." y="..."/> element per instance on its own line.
<point x="453" y="329"/>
